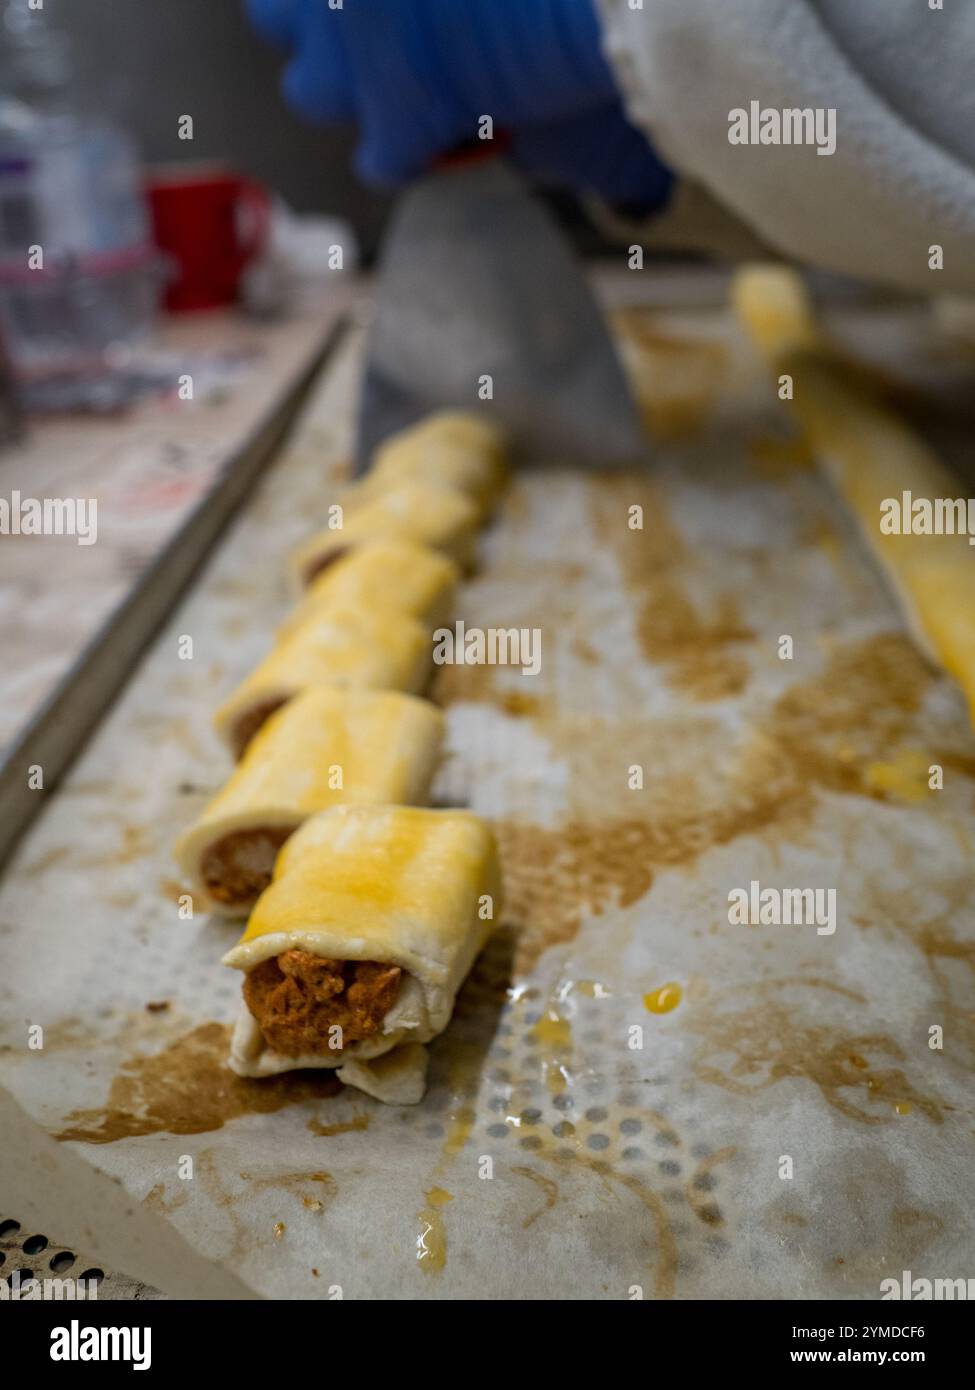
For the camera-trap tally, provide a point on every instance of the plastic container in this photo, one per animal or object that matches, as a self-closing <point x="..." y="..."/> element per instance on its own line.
<point x="79" y="274"/>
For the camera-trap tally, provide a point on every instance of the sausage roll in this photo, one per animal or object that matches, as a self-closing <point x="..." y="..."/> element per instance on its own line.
<point x="326" y="747"/>
<point x="450" y="449"/>
<point x="385" y="574"/>
<point x="374" y="917"/>
<point x="354" y="648"/>
<point x="871" y="457"/>
<point x="439" y="517"/>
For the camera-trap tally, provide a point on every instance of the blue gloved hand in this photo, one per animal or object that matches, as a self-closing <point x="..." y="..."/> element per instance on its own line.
<point x="598" y="152"/>
<point x="416" y="75"/>
<point x="276" y="20"/>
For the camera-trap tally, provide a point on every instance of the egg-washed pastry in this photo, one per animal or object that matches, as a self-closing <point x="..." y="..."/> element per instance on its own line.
<point x="326" y="747"/>
<point x="452" y="449"/>
<point x="874" y="461"/>
<point x="384" y="574"/>
<point x="439" y="517"/>
<point x="353" y="648"/>
<point x="373" y="919"/>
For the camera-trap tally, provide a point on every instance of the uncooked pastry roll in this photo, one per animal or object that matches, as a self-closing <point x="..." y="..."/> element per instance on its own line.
<point x="385" y="574"/>
<point x="439" y="517"/>
<point x="872" y="459"/>
<point x="374" y="918"/>
<point x="355" y="648"/>
<point x="326" y="747"/>
<point x="451" y="449"/>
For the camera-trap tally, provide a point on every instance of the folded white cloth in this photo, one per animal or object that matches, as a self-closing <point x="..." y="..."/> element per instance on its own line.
<point x="897" y="72"/>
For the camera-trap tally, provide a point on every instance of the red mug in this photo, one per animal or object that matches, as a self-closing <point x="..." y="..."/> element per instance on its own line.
<point x="212" y="222"/>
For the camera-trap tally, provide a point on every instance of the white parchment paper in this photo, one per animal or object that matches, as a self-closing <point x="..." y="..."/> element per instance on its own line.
<point x="787" y="1129"/>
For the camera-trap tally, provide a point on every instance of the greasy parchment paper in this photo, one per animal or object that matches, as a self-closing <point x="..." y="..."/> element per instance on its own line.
<point x="553" y="1155"/>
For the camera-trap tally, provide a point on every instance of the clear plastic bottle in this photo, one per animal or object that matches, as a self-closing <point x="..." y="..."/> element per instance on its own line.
<point x="79" y="275"/>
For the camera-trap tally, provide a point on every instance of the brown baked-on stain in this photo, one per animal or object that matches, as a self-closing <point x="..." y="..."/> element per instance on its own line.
<point x="519" y="703"/>
<point x="548" y="598"/>
<point x="552" y="876"/>
<point x="480" y="685"/>
<point x="931" y="932"/>
<point x="172" y="889"/>
<point x="711" y="675"/>
<point x="676" y="380"/>
<point x="454" y="684"/>
<point x="698" y="652"/>
<point x="821" y="733"/>
<point x="156" y="1199"/>
<point x="775" y="456"/>
<point x="857" y="710"/>
<point x="664" y="1261"/>
<point x="313" y="1190"/>
<point x="956" y="760"/>
<point x="47" y="860"/>
<point x="549" y="1189"/>
<point x="701" y="652"/>
<point x="134" y="842"/>
<point x="187" y="1088"/>
<point x="948" y="958"/>
<point x="790" y="1218"/>
<point x="702" y="1182"/>
<point x="287" y="1182"/>
<point x="768" y="1039"/>
<point x="568" y="1154"/>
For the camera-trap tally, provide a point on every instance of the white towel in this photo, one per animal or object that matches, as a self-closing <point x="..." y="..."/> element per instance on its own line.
<point x="901" y="77"/>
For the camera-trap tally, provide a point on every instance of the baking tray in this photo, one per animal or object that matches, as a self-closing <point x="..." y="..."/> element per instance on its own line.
<point x="636" y="1098"/>
<point x="52" y="736"/>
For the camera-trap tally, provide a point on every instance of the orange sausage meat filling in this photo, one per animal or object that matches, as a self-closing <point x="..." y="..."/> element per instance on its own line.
<point x="323" y="562"/>
<point x="251" y="722"/>
<point x="237" y="868"/>
<point x="297" y="998"/>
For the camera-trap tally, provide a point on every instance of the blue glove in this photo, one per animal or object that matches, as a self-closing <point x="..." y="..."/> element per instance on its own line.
<point x="276" y="20"/>
<point x="416" y="75"/>
<point x="598" y="152"/>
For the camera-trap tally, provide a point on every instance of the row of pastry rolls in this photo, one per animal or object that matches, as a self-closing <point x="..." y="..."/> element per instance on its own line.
<point x="364" y="625"/>
<point x="406" y="531"/>
<point x="366" y="911"/>
<point x="326" y="747"/>
<point x="433" y="483"/>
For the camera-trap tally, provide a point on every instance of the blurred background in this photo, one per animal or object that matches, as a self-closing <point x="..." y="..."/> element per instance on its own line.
<point x="218" y="69"/>
<point x="101" y="161"/>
